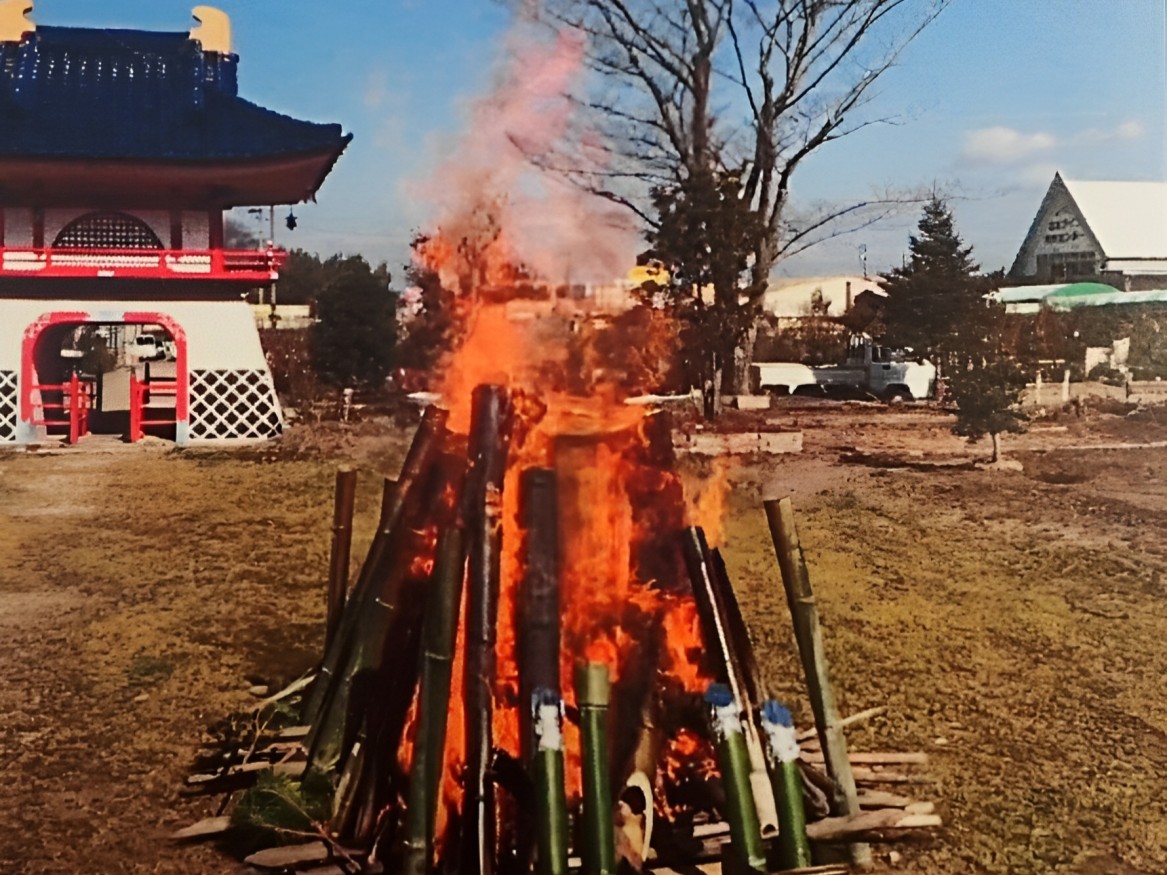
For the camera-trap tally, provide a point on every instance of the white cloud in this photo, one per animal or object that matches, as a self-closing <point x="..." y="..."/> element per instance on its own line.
<point x="1002" y="145"/>
<point x="1131" y="129"/>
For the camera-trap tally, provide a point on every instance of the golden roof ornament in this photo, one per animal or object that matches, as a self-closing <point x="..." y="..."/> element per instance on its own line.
<point x="213" y="29"/>
<point x="14" y="23"/>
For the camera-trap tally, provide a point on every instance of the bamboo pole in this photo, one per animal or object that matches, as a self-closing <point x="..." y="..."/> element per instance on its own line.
<point x="489" y="442"/>
<point x="808" y="636"/>
<point x="782" y="752"/>
<point x="592" y="693"/>
<point x="438" y="633"/>
<point x="548" y="774"/>
<point x="373" y="688"/>
<point x="733" y="760"/>
<point x="342" y="540"/>
<point x="742" y="646"/>
<point x="396" y="497"/>
<point x="538" y="599"/>
<point x="720" y="642"/>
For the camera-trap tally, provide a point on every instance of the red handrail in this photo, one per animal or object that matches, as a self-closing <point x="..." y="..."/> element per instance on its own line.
<point x="235" y="264"/>
<point x="77" y="399"/>
<point x="140" y="391"/>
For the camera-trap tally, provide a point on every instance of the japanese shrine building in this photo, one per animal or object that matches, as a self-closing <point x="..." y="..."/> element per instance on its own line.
<point x="120" y="150"/>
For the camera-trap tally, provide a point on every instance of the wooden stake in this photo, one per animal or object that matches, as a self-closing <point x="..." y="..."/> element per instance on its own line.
<point x="342" y="541"/>
<point x="808" y="636"/>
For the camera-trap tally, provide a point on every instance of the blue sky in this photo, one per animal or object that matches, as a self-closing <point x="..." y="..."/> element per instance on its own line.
<point x="987" y="103"/>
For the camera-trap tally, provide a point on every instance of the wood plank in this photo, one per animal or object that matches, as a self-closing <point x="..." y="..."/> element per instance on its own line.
<point x="836" y="828"/>
<point x="290" y="856"/>
<point x="875" y="758"/>
<point x="208" y="826"/>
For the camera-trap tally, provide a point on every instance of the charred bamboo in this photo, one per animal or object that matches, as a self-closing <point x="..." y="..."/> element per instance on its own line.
<point x="489" y="443"/>
<point x="439" y="635"/>
<point x="538" y="599"/>
<point x="374" y="688"/>
<point x="741" y="645"/>
<point x="728" y="665"/>
<point x="342" y="541"/>
<point x="592" y="693"/>
<point x="808" y="636"/>
<point x="396" y="499"/>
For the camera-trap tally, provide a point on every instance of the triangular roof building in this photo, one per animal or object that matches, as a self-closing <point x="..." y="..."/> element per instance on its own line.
<point x="1113" y="231"/>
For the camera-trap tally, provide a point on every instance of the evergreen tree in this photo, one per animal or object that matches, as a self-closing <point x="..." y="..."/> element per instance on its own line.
<point x="936" y="305"/>
<point x="935" y="302"/>
<point x="352" y="343"/>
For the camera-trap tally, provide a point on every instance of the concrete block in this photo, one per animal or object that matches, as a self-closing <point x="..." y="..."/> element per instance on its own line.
<point x="707" y="443"/>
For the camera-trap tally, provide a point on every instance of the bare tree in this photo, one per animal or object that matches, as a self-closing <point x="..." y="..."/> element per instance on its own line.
<point x="737" y="90"/>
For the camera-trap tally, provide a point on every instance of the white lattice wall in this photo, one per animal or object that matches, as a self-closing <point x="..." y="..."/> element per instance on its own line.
<point x="233" y="405"/>
<point x="9" y="405"/>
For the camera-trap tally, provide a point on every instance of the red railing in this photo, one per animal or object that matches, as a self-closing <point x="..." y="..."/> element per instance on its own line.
<point x="76" y="403"/>
<point x="236" y="265"/>
<point x="140" y="392"/>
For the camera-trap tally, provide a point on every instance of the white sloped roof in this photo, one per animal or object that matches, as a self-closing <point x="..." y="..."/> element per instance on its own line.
<point x="1128" y="218"/>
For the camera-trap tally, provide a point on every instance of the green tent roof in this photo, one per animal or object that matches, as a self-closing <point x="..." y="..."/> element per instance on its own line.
<point x="1078" y="290"/>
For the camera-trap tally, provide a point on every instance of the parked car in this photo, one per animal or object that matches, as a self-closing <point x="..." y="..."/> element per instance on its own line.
<point x="147" y="348"/>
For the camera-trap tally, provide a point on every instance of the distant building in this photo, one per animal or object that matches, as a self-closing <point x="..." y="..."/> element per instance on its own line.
<point x="1110" y="232"/>
<point x="800" y="297"/>
<point x="120" y="150"/>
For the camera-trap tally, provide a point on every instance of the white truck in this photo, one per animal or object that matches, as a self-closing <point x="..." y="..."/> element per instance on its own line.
<point x="872" y="369"/>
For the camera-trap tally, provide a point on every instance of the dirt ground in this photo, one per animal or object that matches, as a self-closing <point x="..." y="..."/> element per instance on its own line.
<point x="1013" y="623"/>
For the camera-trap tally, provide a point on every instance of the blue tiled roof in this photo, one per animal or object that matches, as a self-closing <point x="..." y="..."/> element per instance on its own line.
<point x="107" y="94"/>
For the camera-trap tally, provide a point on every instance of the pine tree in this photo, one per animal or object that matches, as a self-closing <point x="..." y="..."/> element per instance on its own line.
<point x="936" y="305"/>
<point x="935" y="302"/>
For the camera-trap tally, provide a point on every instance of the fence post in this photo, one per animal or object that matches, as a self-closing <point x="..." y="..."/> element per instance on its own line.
<point x="135" y="407"/>
<point x="74" y="408"/>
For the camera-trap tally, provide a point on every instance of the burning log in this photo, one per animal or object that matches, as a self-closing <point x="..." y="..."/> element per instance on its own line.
<point x="342" y="539"/>
<point x="438" y="634"/>
<point x="489" y="443"/>
<point x="808" y="636"/>
<point x="729" y="655"/>
<point x="423" y="451"/>
<point x="592" y="692"/>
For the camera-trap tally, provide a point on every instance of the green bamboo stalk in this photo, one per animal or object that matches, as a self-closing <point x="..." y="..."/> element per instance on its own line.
<point x="733" y="759"/>
<point x="809" y="638"/>
<point x="782" y="754"/>
<point x="592" y="692"/>
<point x="548" y="774"/>
<point x="438" y="634"/>
<point x="729" y="660"/>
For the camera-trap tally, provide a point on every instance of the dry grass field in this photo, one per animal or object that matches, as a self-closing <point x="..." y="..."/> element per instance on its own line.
<point x="1013" y="623"/>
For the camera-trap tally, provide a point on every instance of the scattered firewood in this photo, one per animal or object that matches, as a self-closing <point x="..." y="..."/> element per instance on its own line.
<point x="883" y="799"/>
<point x="291" y="769"/>
<point x="875" y="758"/>
<point x="205" y="828"/>
<point x="290" y="856"/>
<point x="836" y="828"/>
<point x="810" y="736"/>
<point x="879" y="775"/>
